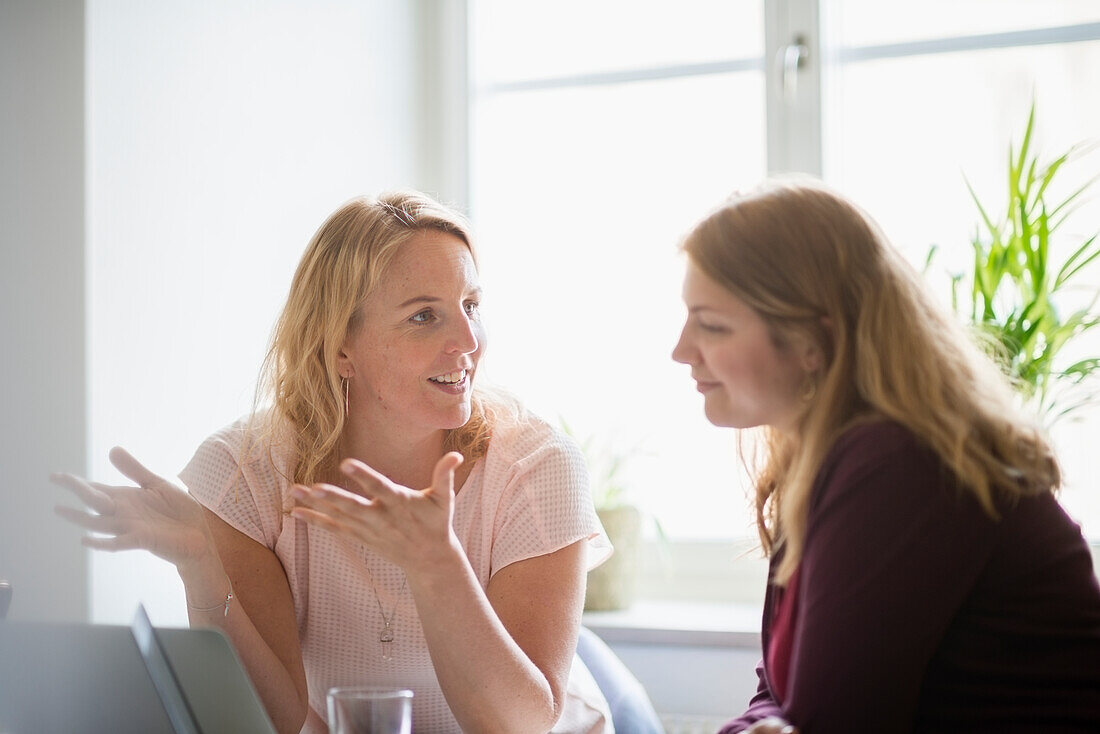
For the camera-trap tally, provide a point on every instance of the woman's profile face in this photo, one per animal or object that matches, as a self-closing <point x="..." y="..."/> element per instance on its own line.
<point x="415" y="352"/>
<point x="745" y="379"/>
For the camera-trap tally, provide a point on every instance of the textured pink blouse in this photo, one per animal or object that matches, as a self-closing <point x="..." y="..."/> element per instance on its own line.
<point x="527" y="497"/>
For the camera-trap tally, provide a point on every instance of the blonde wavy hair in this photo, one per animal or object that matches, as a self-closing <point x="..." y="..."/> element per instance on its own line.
<point x="341" y="266"/>
<point x="816" y="268"/>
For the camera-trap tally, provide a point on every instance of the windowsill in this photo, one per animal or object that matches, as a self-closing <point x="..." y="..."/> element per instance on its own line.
<point x="692" y="620"/>
<point x="682" y="623"/>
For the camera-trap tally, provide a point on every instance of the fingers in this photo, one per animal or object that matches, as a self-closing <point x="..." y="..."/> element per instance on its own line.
<point x="331" y="508"/>
<point x="329" y="500"/>
<point x="313" y="517"/>
<point x="374" y="485"/>
<point x="443" y="477"/>
<point x="90" y="494"/>
<point x="114" y="536"/>
<point x="366" y="479"/>
<point x="127" y="541"/>
<point x="88" y="521"/>
<point x="771" y="725"/>
<point x="132" y="468"/>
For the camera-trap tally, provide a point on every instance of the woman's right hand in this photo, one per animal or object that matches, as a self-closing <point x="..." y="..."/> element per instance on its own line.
<point x="158" y="515"/>
<point x="771" y="725"/>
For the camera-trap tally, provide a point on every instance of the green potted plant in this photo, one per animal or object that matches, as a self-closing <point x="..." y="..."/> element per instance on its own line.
<point x="1018" y="294"/>
<point x="613" y="584"/>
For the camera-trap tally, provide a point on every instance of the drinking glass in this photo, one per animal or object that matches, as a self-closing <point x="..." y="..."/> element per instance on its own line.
<point x="369" y="710"/>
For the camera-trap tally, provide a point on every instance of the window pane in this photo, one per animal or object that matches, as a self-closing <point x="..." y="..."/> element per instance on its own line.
<point x="902" y="133"/>
<point x="580" y="197"/>
<point x="873" y="22"/>
<point x="523" y="39"/>
<point x="925" y="122"/>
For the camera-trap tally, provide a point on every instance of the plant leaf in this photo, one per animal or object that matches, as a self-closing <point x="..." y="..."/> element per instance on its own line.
<point x="1069" y="269"/>
<point x="1013" y="298"/>
<point x="932" y="250"/>
<point x="994" y="230"/>
<point x="1048" y="174"/>
<point x="1073" y="197"/>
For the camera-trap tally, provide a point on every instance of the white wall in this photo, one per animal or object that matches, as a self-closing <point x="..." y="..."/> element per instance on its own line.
<point x="42" y="302"/>
<point x="221" y="133"/>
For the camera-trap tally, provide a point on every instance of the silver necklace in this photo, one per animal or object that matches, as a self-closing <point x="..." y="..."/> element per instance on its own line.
<point x="385" y="637"/>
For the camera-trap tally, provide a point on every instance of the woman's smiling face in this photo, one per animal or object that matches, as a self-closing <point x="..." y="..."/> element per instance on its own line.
<point x="419" y="338"/>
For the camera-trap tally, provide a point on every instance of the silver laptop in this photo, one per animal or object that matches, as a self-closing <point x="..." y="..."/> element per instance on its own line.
<point x="117" y="679"/>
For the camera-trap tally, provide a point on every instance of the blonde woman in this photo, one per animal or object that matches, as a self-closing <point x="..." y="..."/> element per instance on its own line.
<point x="923" y="576"/>
<point x="384" y="521"/>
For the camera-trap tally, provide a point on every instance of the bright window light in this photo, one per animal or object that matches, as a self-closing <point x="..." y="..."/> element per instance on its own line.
<point x="597" y="144"/>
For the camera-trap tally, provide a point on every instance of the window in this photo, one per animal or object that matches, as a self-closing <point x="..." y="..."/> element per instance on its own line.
<point x="600" y="132"/>
<point x="587" y="168"/>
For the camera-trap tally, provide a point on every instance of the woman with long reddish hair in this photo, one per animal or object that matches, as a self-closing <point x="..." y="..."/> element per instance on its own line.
<point x="923" y="576"/>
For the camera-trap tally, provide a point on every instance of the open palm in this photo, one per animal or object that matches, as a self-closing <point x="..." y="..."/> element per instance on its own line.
<point x="158" y="515"/>
<point x="385" y="516"/>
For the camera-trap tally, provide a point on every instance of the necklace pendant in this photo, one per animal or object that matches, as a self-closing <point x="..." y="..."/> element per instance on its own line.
<point x="386" y="638"/>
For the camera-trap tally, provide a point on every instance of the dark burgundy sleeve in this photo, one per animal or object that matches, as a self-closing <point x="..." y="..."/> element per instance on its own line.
<point x="761" y="706"/>
<point x="892" y="550"/>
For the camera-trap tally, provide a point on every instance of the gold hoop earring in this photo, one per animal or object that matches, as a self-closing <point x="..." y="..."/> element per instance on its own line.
<point x="809" y="389"/>
<point x="347" y="403"/>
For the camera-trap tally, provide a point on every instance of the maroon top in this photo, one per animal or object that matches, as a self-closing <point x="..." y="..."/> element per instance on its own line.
<point x="781" y="639"/>
<point x="917" y="612"/>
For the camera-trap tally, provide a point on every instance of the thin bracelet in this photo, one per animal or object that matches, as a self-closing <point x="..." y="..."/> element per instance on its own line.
<point x="224" y="606"/>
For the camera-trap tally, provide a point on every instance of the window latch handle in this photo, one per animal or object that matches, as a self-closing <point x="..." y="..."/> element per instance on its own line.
<point x="792" y="57"/>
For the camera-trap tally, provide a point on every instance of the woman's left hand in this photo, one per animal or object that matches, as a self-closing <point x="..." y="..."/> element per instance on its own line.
<point x="387" y="517"/>
<point x="771" y="725"/>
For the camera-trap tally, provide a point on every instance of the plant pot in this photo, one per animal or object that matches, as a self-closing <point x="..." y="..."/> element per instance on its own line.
<point x="613" y="584"/>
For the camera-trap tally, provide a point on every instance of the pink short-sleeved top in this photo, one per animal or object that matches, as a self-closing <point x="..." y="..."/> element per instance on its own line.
<point x="527" y="497"/>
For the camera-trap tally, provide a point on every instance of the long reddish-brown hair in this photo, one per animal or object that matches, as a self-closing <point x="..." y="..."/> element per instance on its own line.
<point x="816" y="268"/>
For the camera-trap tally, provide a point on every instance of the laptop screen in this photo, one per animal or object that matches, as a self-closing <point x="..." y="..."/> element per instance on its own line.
<point x="163" y="677"/>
